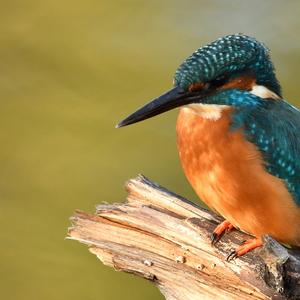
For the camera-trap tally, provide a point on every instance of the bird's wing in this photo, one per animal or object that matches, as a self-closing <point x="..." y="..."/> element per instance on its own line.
<point x="275" y="129"/>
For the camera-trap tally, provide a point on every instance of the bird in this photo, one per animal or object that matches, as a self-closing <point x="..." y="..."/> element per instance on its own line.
<point x="238" y="139"/>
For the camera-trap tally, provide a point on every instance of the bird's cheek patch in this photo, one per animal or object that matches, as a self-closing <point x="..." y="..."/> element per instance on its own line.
<point x="198" y="86"/>
<point x="243" y="83"/>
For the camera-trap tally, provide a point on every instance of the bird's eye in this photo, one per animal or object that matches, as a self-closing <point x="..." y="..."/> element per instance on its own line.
<point x="219" y="81"/>
<point x="213" y="84"/>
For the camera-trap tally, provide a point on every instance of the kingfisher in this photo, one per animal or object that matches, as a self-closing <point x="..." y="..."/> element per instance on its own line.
<point x="238" y="139"/>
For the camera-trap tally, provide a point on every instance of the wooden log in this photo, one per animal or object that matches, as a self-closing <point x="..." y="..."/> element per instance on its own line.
<point x="165" y="238"/>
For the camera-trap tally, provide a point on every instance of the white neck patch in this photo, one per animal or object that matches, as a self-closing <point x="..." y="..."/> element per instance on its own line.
<point x="207" y="111"/>
<point x="263" y="92"/>
<point x="214" y="112"/>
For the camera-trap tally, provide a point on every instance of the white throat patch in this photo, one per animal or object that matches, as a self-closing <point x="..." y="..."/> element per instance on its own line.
<point x="207" y="111"/>
<point x="263" y="92"/>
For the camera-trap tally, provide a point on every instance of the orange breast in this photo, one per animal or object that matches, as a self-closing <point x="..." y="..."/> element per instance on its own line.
<point x="228" y="174"/>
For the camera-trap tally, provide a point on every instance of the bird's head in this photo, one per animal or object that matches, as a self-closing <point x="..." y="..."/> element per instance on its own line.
<point x="234" y="65"/>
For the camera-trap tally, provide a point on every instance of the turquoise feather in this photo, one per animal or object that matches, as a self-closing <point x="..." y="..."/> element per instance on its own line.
<point x="273" y="126"/>
<point x="228" y="55"/>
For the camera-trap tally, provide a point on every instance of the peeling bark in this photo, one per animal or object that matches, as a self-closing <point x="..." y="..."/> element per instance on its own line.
<point x="165" y="238"/>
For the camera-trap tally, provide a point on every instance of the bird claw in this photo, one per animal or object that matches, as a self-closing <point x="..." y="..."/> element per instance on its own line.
<point x="246" y="246"/>
<point x="219" y="231"/>
<point x="232" y="255"/>
<point x="215" y="238"/>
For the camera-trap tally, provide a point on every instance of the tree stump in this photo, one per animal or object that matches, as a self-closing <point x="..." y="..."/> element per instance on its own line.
<point x="165" y="238"/>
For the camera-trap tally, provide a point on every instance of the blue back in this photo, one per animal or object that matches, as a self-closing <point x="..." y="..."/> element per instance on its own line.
<point x="274" y="127"/>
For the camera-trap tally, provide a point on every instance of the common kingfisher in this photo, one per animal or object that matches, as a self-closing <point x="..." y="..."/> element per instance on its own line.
<point x="238" y="139"/>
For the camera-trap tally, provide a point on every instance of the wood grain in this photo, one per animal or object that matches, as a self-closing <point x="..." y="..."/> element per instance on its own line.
<point x="165" y="238"/>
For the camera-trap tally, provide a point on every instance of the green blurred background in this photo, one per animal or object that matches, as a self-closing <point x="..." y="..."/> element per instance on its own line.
<point x="69" y="70"/>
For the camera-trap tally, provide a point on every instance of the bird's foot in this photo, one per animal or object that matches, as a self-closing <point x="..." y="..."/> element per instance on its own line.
<point x="222" y="228"/>
<point x="247" y="246"/>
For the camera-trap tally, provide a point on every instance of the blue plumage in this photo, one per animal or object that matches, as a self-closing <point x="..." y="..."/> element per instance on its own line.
<point x="229" y="55"/>
<point x="273" y="126"/>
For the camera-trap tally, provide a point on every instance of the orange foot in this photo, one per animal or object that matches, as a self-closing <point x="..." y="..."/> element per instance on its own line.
<point x="247" y="246"/>
<point x="225" y="226"/>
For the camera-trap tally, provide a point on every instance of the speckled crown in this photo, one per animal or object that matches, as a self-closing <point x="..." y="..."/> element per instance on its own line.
<point x="228" y="54"/>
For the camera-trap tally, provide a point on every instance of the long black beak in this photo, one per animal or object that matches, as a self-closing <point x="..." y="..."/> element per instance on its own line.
<point x="174" y="98"/>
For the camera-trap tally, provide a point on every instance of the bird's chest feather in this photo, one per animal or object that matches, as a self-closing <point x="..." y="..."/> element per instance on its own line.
<point x="208" y="151"/>
<point x="228" y="174"/>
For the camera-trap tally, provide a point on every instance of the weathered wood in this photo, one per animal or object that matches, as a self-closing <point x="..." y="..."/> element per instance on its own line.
<point x="166" y="239"/>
